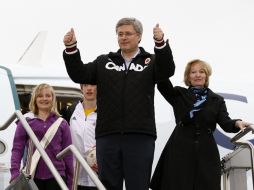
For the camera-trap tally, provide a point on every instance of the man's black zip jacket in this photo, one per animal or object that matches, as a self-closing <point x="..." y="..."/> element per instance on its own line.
<point x="125" y="96"/>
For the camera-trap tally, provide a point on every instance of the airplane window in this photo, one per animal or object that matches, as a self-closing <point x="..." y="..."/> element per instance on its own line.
<point x="2" y="147"/>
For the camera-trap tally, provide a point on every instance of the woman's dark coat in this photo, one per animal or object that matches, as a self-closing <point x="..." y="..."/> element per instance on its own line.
<point x="190" y="160"/>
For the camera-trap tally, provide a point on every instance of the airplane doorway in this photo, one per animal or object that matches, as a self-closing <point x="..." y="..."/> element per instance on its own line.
<point x="65" y="96"/>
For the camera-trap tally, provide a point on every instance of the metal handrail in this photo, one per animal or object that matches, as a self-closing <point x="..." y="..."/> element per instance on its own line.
<point x="81" y="160"/>
<point x="8" y="122"/>
<point x="242" y="133"/>
<point x="45" y="157"/>
<point x="236" y="140"/>
<point x="76" y="176"/>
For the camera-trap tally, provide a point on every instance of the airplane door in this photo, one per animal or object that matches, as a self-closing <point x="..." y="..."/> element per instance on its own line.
<point x="9" y="102"/>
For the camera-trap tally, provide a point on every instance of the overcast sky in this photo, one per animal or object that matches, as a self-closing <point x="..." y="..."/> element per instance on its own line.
<point x="219" y="31"/>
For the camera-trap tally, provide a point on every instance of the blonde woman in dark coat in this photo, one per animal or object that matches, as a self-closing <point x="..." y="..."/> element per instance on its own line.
<point x="190" y="159"/>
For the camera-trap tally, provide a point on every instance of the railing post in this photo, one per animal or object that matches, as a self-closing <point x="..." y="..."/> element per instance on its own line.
<point x="81" y="160"/>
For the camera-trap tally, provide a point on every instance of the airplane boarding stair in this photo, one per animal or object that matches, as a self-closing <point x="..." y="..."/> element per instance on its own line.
<point x="19" y="115"/>
<point x="71" y="148"/>
<point x="236" y="164"/>
<point x="82" y="161"/>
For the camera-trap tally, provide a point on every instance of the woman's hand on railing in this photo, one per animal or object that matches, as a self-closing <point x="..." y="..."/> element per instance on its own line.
<point x="242" y="124"/>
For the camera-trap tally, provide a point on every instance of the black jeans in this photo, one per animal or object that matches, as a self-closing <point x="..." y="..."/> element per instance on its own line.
<point x="125" y="157"/>
<point x="86" y="188"/>
<point x="48" y="184"/>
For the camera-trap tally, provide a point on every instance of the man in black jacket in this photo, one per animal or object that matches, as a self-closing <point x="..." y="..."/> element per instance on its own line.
<point x="125" y="129"/>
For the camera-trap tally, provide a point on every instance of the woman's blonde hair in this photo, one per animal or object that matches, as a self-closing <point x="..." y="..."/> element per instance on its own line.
<point x="207" y="68"/>
<point x="36" y="91"/>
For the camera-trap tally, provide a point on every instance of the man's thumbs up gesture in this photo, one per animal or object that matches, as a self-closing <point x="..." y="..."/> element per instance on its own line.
<point x="70" y="38"/>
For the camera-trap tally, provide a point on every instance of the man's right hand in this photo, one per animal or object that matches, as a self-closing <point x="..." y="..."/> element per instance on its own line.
<point x="69" y="38"/>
